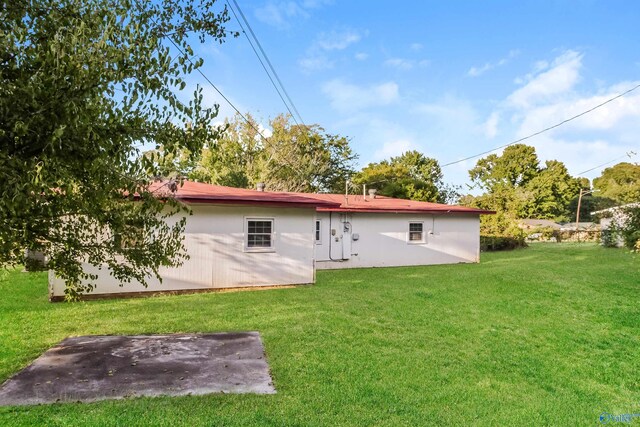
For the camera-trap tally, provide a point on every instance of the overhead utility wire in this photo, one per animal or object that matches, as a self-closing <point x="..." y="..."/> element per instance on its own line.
<point x="629" y="154"/>
<point x="545" y="129"/>
<point x="271" y="67"/>
<point x="262" y="63"/>
<point x="264" y="138"/>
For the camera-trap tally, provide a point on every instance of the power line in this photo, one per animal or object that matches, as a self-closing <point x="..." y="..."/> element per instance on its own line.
<point x="264" y="67"/>
<point x="629" y="154"/>
<point x="545" y="129"/>
<point x="264" y="138"/>
<point x="271" y="67"/>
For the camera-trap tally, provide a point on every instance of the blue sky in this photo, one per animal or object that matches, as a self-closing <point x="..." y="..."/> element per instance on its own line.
<point x="449" y="79"/>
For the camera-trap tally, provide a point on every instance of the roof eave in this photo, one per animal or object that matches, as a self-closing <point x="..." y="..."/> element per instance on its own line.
<point x="407" y="211"/>
<point x="243" y="201"/>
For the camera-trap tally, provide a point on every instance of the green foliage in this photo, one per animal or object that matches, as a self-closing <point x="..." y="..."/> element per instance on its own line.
<point x="515" y="183"/>
<point x="620" y="183"/>
<point x="500" y="243"/>
<point x="82" y="85"/>
<point x="293" y="158"/>
<point x="517" y="165"/>
<point x="626" y="224"/>
<point x="549" y="193"/>
<point x="589" y="204"/>
<point x="609" y="238"/>
<point x="505" y="221"/>
<point x="409" y="176"/>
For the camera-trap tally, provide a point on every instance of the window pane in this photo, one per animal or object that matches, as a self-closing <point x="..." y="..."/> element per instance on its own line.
<point x="259" y="233"/>
<point x="260" y="226"/>
<point x="415" y="226"/>
<point x="259" y="241"/>
<point x="415" y="236"/>
<point x="317" y="231"/>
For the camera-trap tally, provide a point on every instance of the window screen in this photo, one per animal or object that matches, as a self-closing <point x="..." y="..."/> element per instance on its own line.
<point x="415" y="232"/>
<point x="259" y="233"/>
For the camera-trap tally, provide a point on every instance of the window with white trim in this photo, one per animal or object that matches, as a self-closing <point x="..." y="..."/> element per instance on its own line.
<point x="416" y="232"/>
<point x="318" y="232"/>
<point x="259" y="234"/>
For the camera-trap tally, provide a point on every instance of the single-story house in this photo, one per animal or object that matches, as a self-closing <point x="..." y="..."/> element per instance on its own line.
<point x="239" y="238"/>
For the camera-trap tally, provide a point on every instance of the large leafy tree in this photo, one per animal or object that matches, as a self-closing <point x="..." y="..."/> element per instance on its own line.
<point x="84" y="83"/>
<point x="620" y="183"/>
<point x="517" y="165"/>
<point x="550" y="192"/>
<point x="411" y="175"/>
<point x="292" y="158"/>
<point x="515" y="182"/>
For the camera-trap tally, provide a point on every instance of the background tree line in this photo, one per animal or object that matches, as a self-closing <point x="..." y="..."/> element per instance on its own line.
<point x="302" y="159"/>
<point x="517" y="186"/>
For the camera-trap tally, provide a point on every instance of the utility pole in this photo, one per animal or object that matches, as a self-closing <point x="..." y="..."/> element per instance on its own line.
<point x="578" y="210"/>
<point x="582" y="193"/>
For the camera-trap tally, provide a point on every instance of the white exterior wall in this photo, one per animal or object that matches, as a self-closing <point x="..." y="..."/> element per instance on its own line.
<point x="215" y="242"/>
<point x="384" y="240"/>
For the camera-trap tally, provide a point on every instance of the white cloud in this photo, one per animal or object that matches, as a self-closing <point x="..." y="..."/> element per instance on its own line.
<point x="337" y="40"/>
<point x="400" y="63"/>
<point x="265" y="131"/>
<point x="416" y="47"/>
<point x="317" y="57"/>
<point x="538" y="66"/>
<point x="315" y="63"/>
<point x="280" y="14"/>
<point x="549" y="95"/>
<point x="394" y="148"/>
<point x="405" y="64"/>
<point x="491" y="125"/>
<point x="361" y="56"/>
<point x="448" y="123"/>
<point x="347" y="97"/>
<point x="476" y="71"/>
<point x="559" y="79"/>
<point x="617" y="116"/>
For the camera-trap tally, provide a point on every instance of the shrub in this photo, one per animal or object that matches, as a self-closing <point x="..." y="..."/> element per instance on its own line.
<point x="501" y="243"/>
<point x="609" y="239"/>
<point x="626" y="225"/>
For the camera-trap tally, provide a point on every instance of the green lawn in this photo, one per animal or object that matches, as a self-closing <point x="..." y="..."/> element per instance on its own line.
<point x="548" y="335"/>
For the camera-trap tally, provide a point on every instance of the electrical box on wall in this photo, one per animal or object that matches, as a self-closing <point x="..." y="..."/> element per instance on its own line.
<point x="355" y="236"/>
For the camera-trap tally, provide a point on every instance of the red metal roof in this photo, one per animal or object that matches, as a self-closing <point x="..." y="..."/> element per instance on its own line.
<point x="358" y="203"/>
<point x="198" y="192"/>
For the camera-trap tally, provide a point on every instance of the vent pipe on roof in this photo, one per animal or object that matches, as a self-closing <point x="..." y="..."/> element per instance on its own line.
<point x="260" y="186"/>
<point x="372" y="193"/>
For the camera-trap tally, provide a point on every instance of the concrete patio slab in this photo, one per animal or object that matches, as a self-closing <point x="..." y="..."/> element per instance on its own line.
<point x="91" y="368"/>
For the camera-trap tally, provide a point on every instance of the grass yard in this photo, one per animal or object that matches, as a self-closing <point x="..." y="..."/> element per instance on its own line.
<point x="548" y="335"/>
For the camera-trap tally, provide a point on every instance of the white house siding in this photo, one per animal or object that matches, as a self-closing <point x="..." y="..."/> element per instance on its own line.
<point x="215" y="242"/>
<point x="383" y="240"/>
